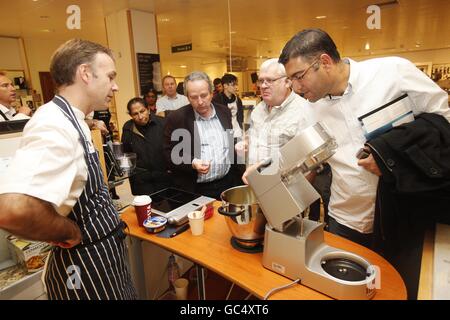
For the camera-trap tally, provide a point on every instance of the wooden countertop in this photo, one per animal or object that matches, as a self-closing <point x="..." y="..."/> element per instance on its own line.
<point x="213" y="251"/>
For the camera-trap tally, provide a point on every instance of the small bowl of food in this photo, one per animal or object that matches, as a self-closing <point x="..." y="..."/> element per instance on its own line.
<point x="155" y="224"/>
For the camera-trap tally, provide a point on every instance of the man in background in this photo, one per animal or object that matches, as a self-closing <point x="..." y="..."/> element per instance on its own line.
<point x="218" y="87"/>
<point x="171" y="100"/>
<point x="228" y="97"/>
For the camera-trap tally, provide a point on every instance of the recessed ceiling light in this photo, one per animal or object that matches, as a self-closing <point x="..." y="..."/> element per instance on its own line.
<point x="417" y="45"/>
<point x="321" y="17"/>
<point x="165" y="20"/>
<point x="367" y="46"/>
<point x="183" y="66"/>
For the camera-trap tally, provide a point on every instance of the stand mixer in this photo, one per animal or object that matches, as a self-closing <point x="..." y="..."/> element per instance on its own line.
<point x="294" y="246"/>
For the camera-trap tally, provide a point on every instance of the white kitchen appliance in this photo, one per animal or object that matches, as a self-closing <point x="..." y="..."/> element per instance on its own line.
<point x="294" y="246"/>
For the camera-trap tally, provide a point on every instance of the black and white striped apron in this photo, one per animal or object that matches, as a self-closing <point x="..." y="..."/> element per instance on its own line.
<point x="94" y="269"/>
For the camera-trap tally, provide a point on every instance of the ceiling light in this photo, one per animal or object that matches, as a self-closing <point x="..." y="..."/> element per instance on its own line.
<point x="417" y="45"/>
<point x="46" y="30"/>
<point x="183" y="66"/>
<point x="165" y="20"/>
<point x="321" y="17"/>
<point x="367" y="46"/>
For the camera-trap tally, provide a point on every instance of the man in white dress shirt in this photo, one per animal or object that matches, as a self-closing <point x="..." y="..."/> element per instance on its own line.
<point x="7" y="98"/>
<point x="171" y="100"/>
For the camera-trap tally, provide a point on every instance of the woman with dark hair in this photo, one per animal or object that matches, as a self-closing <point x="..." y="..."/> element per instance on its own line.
<point x="143" y="135"/>
<point x="150" y="97"/>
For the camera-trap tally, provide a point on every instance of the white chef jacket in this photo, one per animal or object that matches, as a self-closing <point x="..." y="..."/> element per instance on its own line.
<point x="49" y="163"/>
<point x="372" y="83"/>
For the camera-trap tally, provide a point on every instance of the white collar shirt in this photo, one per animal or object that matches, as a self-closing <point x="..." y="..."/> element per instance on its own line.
<point x="169" y="104"/>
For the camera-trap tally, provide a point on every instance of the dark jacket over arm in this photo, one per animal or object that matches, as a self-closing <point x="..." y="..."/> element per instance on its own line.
<point x="413" y="191"/>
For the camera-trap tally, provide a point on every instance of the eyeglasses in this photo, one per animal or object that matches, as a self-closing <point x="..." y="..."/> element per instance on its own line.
<point x="300" y="77"/>
<point x="269" y="82"/>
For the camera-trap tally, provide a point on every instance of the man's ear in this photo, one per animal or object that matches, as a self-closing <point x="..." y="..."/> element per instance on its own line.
<point x="326" y="61"/>
<point x="288" y="83"/>
<point x="84" y="72"/>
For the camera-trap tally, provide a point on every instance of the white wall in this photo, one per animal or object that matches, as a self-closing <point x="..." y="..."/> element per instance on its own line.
<point x="39" y="53"/>
<point x="10" y="54"/>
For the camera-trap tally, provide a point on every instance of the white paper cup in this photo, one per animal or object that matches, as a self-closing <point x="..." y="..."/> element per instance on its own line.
<point x="181" y="288"/>
<point x="196" y="222"/>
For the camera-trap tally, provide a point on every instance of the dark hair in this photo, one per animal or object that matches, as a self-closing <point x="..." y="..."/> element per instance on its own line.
<point x="229" y="78"/>
<point x="150" y="90"/>
<point x="70" y="55"/>
<point x="308" y="44"/>
<point x="133" y="101"/>
<point x="217" y="81"/>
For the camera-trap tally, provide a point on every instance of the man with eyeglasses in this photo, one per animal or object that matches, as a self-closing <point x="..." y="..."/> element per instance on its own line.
<point x="338" y="92"/>
<point x="7" y="98"/>
<point x="276" y="119"/>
